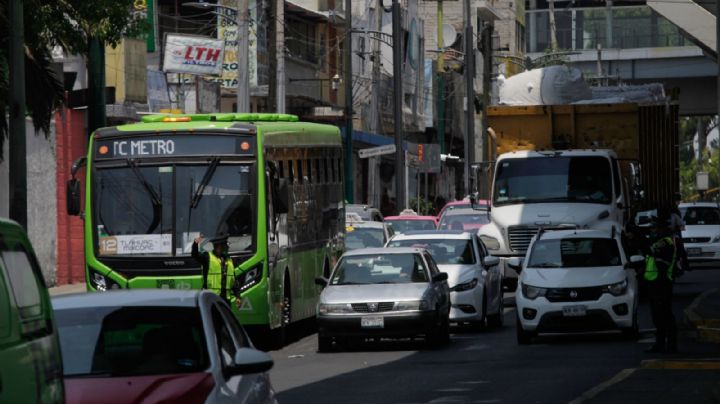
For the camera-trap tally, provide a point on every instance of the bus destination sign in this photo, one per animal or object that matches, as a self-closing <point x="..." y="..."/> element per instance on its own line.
<point x="177" y="145"/>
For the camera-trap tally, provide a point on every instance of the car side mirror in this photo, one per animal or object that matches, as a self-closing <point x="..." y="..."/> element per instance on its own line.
<point x="249" y="360"/>
<point x="439" y="277"/>
<point x="515" y="263"/>
<point x="321" y="281"/>
<point x="72" y="197"/>
<point x="635" y="261"/>
<point x="490" y="261"/>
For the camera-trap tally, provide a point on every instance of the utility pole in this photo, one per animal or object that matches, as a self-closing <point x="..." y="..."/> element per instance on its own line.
<point x="397" y="110"/>
<point x="469" y="98"/>
<point x="280" y="55"/>
<point x="243" y="76"/>
<point x="17" y="148"/>
<point x="441" y="77"/>
<point x="349" y="176"/>
<point x="485" y="44"/>
<point x="96" y="84"/>
<point x="272" y="56"/>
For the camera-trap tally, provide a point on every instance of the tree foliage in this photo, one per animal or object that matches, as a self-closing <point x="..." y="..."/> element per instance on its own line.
<point x="689" y="164"/>
<point x="64" y="23"/>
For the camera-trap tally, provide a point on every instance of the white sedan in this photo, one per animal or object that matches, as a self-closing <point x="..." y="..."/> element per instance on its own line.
<point x="474" y="276"/>
<point x="576" y="281"/>
<point x="702" y="231"/>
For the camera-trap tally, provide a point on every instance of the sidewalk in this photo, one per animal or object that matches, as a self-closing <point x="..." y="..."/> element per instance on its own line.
<point x="67" y="289"/>
<point x="691" y="376"/>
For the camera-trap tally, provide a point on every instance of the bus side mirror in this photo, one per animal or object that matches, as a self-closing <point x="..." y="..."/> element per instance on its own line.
<point x="72" y="196"/>
<point x="280" y="199"/>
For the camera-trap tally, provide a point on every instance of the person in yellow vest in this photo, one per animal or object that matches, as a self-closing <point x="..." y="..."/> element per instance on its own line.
<point x="661" y="263"/>
<point x="218" y="270"/>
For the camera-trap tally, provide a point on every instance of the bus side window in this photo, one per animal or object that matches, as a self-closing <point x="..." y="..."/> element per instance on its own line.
<point x="309" y="171"/>
<point x="332" y="170"/>
<point x="281" y="169"/>
<point x="291" y="171"/>
<point x="326" y="172"/>
<point x="340" y="170"/>
<point x="318" y="178"/>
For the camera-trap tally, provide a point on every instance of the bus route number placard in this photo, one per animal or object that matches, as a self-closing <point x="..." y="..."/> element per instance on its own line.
<point x="187" y="145"/>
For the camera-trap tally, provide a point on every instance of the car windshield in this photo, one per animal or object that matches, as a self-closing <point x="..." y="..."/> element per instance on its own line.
<point x="445" y="252"/>
<point x="374" y="269"/>
<point x="700" y="215"/>
<point x="364" y="237"/>
<point x="464" y="222"/>
<point x="131" y="341"/>
<point x="159" y="210"/>
<point x="404" y="225"/>
<point x="574" y="252"/>
<point x="553" y="179"/>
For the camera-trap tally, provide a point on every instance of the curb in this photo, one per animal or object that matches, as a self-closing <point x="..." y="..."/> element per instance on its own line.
<point x="708" y="328"/>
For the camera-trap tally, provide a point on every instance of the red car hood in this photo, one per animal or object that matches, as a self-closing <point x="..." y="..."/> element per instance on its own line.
<point x="186" y="388"/>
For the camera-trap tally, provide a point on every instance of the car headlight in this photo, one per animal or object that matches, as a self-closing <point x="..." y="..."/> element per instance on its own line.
<point x="465" y="286"/>
<point x="325" y="308"/>
<point x="248" y="279"/>
<point x="616" y="289"/>
<point x="412" y="305"/>
<point x="491" y="243"/>
<point x="715" y="239"/>
<point x="101" y="283"/>
<point x="533" y="292"/>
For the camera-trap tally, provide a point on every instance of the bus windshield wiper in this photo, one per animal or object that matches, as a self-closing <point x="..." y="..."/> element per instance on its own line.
<point x="154" y="197"/>
<point x="205" y="180"/>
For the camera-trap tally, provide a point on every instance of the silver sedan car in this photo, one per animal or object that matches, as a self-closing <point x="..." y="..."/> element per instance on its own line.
<point x="158" y="346"/>
<point x="384" y="292"/>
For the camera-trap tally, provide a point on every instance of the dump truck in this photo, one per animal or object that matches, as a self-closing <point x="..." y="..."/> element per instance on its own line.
<point x="574" y="166"/>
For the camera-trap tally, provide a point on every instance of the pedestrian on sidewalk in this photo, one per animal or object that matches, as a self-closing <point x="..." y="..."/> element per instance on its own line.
<point x="660" y="270"/>
<point x="218" y="271"/>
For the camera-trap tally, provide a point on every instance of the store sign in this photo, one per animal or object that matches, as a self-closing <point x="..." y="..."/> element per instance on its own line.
<point x="193" y="55"/>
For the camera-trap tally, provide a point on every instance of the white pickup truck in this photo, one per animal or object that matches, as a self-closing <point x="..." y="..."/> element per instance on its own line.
<point x="552" y="190"/>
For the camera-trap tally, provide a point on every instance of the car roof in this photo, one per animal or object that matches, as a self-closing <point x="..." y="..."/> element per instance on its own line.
<point x="434" y="235"/>
<point x="572" y="233"/>
<point x="384" y="251"/>
<point x="465" y="211"/>
<point x="135" y="297"/>
<point x="411" y="217"/>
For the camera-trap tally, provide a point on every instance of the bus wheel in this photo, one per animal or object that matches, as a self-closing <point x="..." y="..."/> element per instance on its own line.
<point x="278" y="336"/>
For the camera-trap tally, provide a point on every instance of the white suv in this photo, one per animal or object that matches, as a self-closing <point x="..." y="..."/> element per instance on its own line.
<point x="576" y="281"/>
<point x="702" y="231"/>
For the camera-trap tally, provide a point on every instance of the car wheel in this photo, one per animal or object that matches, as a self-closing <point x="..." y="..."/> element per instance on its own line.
<point x="633" y="331"/>
<point x="498" y="320"/>
<point x="440" y="334"/>
<point x="324" y="343"/>
<point x="523" y="337"/>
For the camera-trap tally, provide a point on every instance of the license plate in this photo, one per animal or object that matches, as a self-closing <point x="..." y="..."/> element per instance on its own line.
<point x="372" y="322"/>
<point x="574" y="311"/>
<point x="694" y="251"/>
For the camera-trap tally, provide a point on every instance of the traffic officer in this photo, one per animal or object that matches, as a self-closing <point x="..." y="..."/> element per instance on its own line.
<point x="660" y="269"/>
<point x="218" y="271"/>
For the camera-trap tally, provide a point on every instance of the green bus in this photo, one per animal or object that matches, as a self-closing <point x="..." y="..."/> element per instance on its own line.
<point x="272" y="183"/>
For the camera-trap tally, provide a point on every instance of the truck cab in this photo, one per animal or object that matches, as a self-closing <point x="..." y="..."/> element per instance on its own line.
<point x="553" y="189"/>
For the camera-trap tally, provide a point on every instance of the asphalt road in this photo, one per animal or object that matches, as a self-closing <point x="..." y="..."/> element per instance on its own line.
<point x="478" y="366"/>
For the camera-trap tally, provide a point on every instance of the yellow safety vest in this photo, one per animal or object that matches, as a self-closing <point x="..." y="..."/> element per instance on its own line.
<point x="651" y="270"/>
<point x="214" y="276"/>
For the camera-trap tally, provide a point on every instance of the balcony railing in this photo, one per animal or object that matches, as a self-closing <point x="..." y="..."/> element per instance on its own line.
<point x="615" y="27"/>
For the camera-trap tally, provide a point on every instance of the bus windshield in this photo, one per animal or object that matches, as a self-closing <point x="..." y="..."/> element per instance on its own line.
<point x="553" y="179"/>
<point x="160" y="209"/>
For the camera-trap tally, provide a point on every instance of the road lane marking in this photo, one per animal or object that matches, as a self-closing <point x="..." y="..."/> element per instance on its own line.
<point x="454" y="390"/>
<point x="624" y="374"/>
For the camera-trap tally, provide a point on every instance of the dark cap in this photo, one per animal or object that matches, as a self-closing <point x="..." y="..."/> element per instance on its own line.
<point x="220" y="239"/>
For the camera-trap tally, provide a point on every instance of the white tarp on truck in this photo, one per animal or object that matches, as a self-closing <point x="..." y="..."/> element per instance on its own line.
<point x="559" y="85"/>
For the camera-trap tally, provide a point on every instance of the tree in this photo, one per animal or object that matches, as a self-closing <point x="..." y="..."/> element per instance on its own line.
<point x="67" y="24"/>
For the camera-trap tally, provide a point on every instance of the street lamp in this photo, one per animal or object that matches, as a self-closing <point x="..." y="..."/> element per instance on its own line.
<point x="243" y="48"/>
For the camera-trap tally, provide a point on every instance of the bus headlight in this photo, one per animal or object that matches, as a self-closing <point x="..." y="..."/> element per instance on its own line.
<point x="248" y="279"/>
<point x="101" y="283"/>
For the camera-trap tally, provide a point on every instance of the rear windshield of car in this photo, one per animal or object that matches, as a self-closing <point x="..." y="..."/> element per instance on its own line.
<point x="131" y="341"/>
<point x="374" y="269"/>
<point x="403" y="226"/>
<point x="701" y="215"/>
<point x="574" y="252"/>
<point x="357" y="237"/>
<point x="463" y="222"/>
<point x="445" y="252"/>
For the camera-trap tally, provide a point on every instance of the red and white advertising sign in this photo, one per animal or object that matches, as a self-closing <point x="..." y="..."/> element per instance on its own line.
<point x="194" y="55"/>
